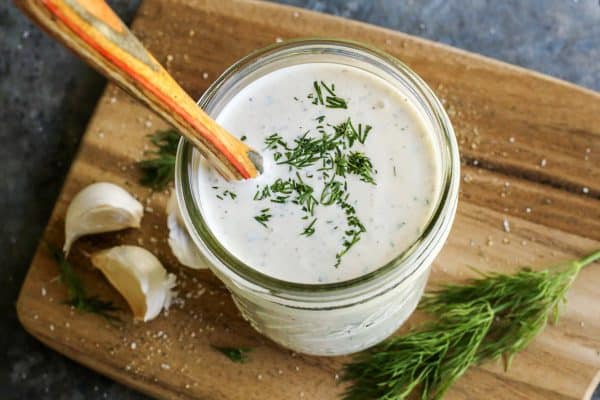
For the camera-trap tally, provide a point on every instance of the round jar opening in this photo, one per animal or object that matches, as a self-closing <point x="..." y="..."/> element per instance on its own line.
<point x="440" y="207"/>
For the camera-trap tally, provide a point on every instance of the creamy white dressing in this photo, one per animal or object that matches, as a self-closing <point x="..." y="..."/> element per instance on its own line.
<point x="394" y="211"/>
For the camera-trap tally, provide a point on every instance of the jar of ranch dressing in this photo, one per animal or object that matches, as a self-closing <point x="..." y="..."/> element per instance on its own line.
<point x="329" y="250"/>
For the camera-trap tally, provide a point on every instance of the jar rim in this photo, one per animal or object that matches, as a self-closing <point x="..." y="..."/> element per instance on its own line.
<point x="218" y="254"/>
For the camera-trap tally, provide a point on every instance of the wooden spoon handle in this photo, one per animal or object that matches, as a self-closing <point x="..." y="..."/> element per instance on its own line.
<point x="93" y="31"/>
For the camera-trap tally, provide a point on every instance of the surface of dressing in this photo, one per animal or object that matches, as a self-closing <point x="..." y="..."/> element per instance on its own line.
<point x="394" y="211"/>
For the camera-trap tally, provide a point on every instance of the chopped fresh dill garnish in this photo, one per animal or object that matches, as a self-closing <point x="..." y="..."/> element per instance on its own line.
<point x="263" y="217"/>
<point x="159" y="171"/>
<point x="235" y="354"/>
<point x="243" y="138"/>
<point x="359" y="164"/>
<point x="77" y="295"/>
<point x="325" y="95"/>
<point x="319" y="98"/>
<point x="230" y="194"/>
<point x="309" y="230"/>
<point x="273" y="141"/>
<point x="329" y="151"/>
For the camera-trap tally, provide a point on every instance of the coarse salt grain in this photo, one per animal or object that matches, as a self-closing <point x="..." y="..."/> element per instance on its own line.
<point x="506" y="225"/>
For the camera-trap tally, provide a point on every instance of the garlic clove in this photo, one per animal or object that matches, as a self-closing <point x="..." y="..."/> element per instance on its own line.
<point x="140" y="278"/>
<point x="100" y="207"/>
<point x="180" y="241"/>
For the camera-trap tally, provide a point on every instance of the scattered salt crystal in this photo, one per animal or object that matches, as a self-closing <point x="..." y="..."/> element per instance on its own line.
<point x="133" y="346"/>
<point x="191" y="32"/>
<point x="165" y="366"/>
<point x="511" y="139"/>
<point x="585" y="190"/>
<point x="297" y="368"/>
<point x="581" y="324"/>
<point x="259" y="376"/>
<point x="35" y="316"/>
<point x="543" y="162"/>
<point x="52" y="327"/>
<point x="528" y="210"/>
<point x="169" y="58"/>
<point x="205" y="75"/>
<point x="296" y="14"/>
<point x="44" y="292"/>
<point x="278" y="40"/>
<point x="506" y="225"/>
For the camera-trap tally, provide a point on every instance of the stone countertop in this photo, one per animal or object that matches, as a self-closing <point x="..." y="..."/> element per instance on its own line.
<point x="47" y="97"/>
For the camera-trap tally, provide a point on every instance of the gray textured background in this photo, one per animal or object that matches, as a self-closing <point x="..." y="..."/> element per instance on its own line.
<point x="47" y="96"/>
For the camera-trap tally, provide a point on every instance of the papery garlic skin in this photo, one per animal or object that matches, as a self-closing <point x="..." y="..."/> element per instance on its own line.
<point x="180" y="241"/>
<point x="98" y="208"/>
<point x="140" y="278"/>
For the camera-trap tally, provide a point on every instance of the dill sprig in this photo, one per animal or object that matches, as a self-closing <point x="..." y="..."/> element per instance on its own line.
<point x="235" y="354"/>
<point x="430" y="359"/>
<point x="496" y="315"/>
<point x="522" y="303"/>
<point x="158" y="171"/>
<point x="77" y="295"/>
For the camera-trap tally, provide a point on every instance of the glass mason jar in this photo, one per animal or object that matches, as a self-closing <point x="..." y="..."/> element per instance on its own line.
<point x="330" y="318"/>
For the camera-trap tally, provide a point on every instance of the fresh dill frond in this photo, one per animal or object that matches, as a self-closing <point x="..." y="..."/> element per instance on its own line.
<point x="76" y="293"/>
<point x="429" y="360"/>
<point x="235" y="354"/>
<point x="522" y="303"/>
<point x="309" y="230"/>
<point x="159" y="170"/>
<point x="496" y="315"/>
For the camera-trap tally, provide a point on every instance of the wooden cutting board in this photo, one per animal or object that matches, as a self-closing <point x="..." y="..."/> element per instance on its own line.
<point x="530" y="146"/>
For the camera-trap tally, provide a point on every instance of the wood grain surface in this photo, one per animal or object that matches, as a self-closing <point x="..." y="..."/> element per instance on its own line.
<point x="531" y="151"/>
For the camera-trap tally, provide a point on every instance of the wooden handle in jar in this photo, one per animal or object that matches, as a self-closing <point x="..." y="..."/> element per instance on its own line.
<point x="93" y="31"/>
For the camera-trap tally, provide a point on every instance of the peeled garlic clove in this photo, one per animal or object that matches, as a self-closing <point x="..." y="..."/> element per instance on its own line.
<point x="100" y="207"/>
<point x="180" y="241"/>
<point x="140" y="278"/>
